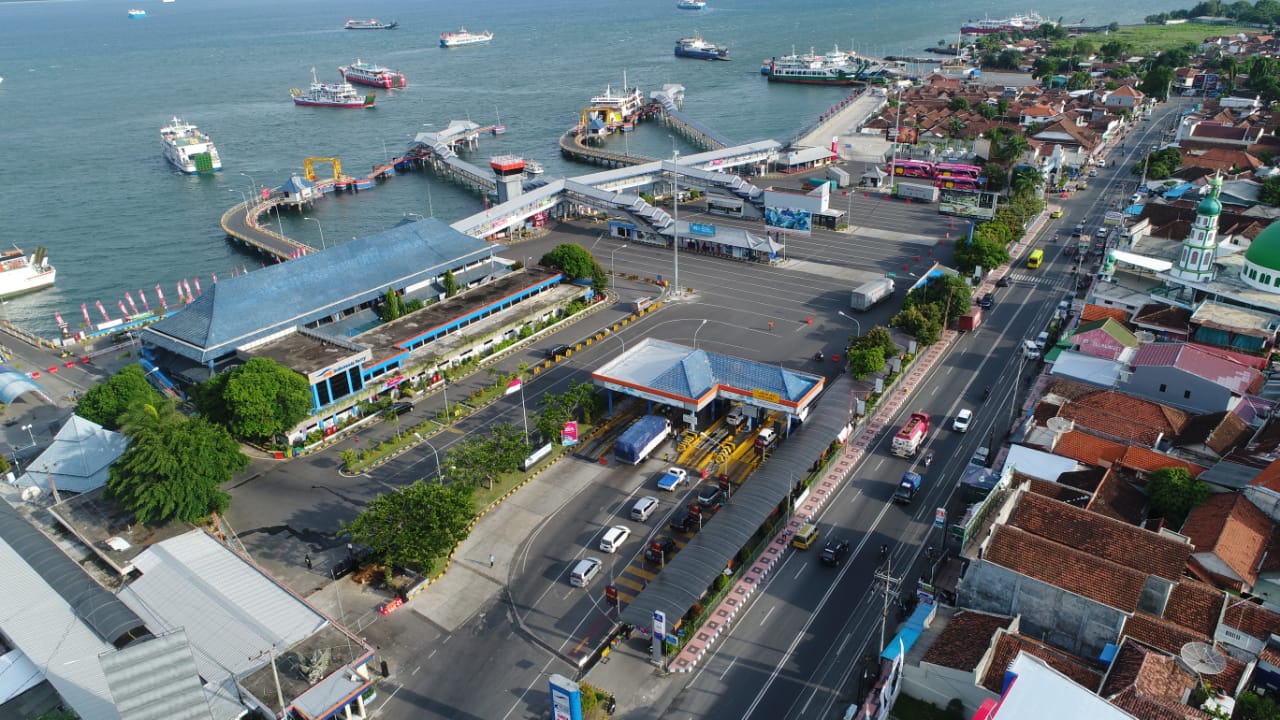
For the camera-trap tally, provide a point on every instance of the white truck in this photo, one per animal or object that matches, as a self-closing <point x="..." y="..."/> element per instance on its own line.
<point x="923" y="193"/>
<point x="870" y="293"/>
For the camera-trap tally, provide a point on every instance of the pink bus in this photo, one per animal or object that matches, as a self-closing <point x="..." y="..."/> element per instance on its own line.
<point x="957" y="170"/>
<point x="957" y="183"/>
<point x="911" y="168"/>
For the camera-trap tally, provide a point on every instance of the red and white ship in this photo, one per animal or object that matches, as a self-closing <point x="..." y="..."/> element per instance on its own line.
<point x="364" y="73"/>
<point x="1016" y="23"/>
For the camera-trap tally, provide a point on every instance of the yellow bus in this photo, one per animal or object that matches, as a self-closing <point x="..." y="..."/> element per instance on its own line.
<point x="1037" y="257"/>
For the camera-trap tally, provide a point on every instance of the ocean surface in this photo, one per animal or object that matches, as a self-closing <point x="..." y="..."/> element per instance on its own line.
<point x="86" y="90"/>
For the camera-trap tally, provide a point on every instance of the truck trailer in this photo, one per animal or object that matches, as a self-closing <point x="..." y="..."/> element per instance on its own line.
<point x="911" y="436"/>
<point x="923" y="193"/>
<point x="869" y="293"/>
<point x="645" y="434"/>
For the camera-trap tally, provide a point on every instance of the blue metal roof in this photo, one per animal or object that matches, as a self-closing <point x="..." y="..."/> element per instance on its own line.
<point x="14" y="383"/>
<point x="250" y="307"/>
<point x="688" y="373"/>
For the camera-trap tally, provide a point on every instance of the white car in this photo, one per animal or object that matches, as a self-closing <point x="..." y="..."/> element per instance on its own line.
<point x="614" y="537"/>
<point x="583" y="571"/>
<point x="962" y="420"/>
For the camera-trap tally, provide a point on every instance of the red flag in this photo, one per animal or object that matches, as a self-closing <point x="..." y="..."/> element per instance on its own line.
<point x="143" y="297"/>
<point x="514" y="386"/>
<point x="160" y="294"/>
<point x="84" y="308"/>
<point x="105" y="316"/>
<point x="129" y="297"/>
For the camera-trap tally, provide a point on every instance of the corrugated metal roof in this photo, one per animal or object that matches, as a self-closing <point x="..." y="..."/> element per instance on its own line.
<point x="78" y="458"/>
<point x="682" y="582"/>
<point x="14" y="383"/>
<point x="1201" y="362"/>
<point x="249" y="307"/>
<point x="157" y="680"/>
<point x="230" y="610"/>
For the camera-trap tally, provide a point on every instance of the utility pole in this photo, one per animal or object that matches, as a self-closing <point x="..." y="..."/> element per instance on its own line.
<point x="888" y="585"/>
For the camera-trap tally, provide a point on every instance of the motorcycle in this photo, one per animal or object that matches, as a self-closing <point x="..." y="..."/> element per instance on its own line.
<point x="819" y="356"/>
<point x="986" y="393"/>
<point x="927" y="459"/>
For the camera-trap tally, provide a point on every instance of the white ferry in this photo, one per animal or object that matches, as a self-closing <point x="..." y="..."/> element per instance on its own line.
<point x="464" y="37"/>
<point x="22" y="274"/>
<point x="188" y="149"/>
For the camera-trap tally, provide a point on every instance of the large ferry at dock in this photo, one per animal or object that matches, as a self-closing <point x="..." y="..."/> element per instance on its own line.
<point x="613" y="111"/>
<point x="370" y="24"/>
<point x="697" y="48"/>
<point x="372" y="74"/>
<point x="833" y="68"/>
<point x="188" y="149"/>
<point x="20" y="273"/>
<point x="464" y="37"/>
<point x="341" y="95"/>
<point x="1016" y="23"/>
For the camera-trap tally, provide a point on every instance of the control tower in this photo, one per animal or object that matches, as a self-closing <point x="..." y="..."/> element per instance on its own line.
<point x="509" y="170"/>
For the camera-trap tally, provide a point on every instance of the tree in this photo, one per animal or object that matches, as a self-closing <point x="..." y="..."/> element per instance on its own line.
<point x="981" y="252"/>
<point x="986" y="110"/>
<point x="450" y="284"/>
<point x="1157" y="81"/>
<point x="1270" y="192"/>
<point x="391" y="306"/>
<point x="481" y="459"/>
<point x="104" y="403"/>
<point x="1173" y="494"/>
<point x="1252" y="706"/>
<point x="958" y="104"/>
<point x="416" y="525"/>
<point x="877" y="337"/>
<point x="574" y="261"/>
<point x="915" y="321"/>
<point x="262" y="398"/>
<point x="866" y="361"/>
<point x="174" y="466"/>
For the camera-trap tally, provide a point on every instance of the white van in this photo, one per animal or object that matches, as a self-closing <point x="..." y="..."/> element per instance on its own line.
<point x="1041" y="340"/>
<point x="583" y="571"/>
<point x="643" y="508"/>
<point x="1030" y="351"/>
<point x="614" y="537"/>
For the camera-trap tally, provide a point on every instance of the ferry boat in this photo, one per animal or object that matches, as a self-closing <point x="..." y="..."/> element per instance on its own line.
<point x="20" y="273"/>
<point x="370" y="24"/>
<point x="1016" y="23"/>
<point x="341" y="95"/>
<point x="464" y="37"/>
<point x="833" y="68"/>
<point x="696" y="47"/>
<point x="188" y="149"/>
<point x="532" y="167"/>
<point x="692" y="5"/>
<point x="372" y="74"/>
<point x="136" y="13"/>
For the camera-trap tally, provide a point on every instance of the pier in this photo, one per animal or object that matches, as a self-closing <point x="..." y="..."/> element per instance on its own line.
<point x="670" y="98"/>
<point x="240" y="223"/>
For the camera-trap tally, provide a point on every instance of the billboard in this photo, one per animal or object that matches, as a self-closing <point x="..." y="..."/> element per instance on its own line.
<point x="566" y="698"/>
<point x="906" y="135"/>
<point x="793" y="220"/>
<point x="978" y="204"/>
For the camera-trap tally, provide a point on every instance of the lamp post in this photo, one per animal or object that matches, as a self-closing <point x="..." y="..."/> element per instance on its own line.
<point x="30" y="434"/>
<point x="611" y="252"/>
<point x="852" y="319"/>
<point x="524" y="414"/>
<point x="317" y="222"/>
<point x="437" y="454"/>
<point x="695" y="334"/>
<point x="675" y="219"/>
<point x="253" y="184"/>
<point x="245" y="198"/>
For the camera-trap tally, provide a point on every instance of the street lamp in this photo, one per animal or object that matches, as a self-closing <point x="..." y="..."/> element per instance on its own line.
<point x="855" y="321"/>
<point x="695" y="334"/>
<point x="30" y="434"/>
<point x="437" y="454"/>
<point x="675" y="219"/>
<point x="611" y="252"/>
<point x="317" y="222"/>
<point x="245" y="198"/>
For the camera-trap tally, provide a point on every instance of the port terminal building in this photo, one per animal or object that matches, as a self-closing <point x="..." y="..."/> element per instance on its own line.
<point x="319" y="315"/>
<point x="703" y="384"/>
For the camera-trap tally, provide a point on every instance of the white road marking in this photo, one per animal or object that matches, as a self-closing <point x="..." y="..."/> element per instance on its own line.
<point x="766" y="616"/>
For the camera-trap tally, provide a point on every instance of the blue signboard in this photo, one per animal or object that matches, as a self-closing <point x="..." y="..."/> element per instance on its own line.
<point x="702" y="229"/>
<point x="566" y="699"/>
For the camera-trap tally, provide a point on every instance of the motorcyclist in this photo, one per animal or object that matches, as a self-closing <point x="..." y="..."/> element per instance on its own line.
<point x="986" y="393"/>
<point x="818" y="355"/>
<point x="884" y="551"/>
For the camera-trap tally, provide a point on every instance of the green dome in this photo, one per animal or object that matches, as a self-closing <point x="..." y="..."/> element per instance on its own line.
<point x="1209" y="206"/>
<point x="1264" y="251"/>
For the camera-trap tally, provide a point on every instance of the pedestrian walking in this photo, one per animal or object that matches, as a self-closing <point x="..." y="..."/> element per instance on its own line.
<point x="306" y="560"/>
<point x="490" y="559"/>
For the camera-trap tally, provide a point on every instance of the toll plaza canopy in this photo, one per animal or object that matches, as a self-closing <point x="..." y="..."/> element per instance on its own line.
<point x="691" y="379"/>
<point x="683" y="581"/>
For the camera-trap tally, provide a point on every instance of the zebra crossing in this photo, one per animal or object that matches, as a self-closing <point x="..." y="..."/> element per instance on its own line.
<point x="1055" y="280"/>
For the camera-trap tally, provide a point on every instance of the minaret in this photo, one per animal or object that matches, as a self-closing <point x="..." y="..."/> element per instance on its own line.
<point x="1200" y="248"/>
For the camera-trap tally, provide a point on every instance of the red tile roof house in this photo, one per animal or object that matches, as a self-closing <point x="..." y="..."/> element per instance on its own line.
<point x="1148" y="683"/>
<point x="1105" y="339"/>
<point x="1231" y="537"/>
<point x="1125" y="96"/>
<point x="1189" y="376"/>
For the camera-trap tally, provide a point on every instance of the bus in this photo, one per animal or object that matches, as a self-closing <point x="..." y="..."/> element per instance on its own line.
<point x="911" y="168"/>
<point x="1037" y="257"/>
<point x="721" y="205"/>
<point x="957" y="170"/>
<point x="957" y="183"/>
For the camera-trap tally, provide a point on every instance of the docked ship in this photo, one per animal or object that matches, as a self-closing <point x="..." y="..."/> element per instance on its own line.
<point x="464" y="37"/>
<point x="370" y="24"/>
<point x="341" y="95"/>
<point x="20" y="273"/>
<point x="364" y="73"/>
<point x="613" y="111"/>
<point x="696" y="47"/>
<point x="1016" y="23"/>
<point x="188" y="149"/>
<point x="692" y="5"/>
<point x="833" y="68"/>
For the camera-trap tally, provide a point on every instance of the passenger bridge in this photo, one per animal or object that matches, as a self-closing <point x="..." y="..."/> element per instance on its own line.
<point x="444" y="159"/>
<point x="241" y="224"/>
<point x="671" y="97"/>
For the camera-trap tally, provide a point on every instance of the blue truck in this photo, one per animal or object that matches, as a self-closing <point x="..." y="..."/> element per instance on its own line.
<point x="645" y="434"/>
<point x="908" y="487"/>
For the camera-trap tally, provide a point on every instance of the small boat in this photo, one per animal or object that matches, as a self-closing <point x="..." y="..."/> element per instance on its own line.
<point x="699" y="49"/>
<point x="342" y="95"/>
<point x="692" y="5"/>
<point x="188" y="149"/>
<point x="533" y="167"/>
<point x="464" y="37"/>
<point x="136" y="13"/>
<point x="370" y="24"/>
<point x="372" y="74"/>
<point x="20" y="273"/>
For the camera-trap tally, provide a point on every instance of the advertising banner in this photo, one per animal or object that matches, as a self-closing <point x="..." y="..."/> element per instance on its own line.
<point x="792" y="220"/>
<point x="967" y="203"/>
<point x="569" y="435"/>
<point x="566" y="698"/>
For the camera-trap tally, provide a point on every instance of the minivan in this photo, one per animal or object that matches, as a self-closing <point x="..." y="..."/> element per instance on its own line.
<point x="766" y="439"/>
<point x="1030" y="351"/>
<point x="805" y="536"/>
<point x="583" y="571"/>
<point x="1041" y="340"/>
<point x="614" y="537"/>
<point x="643" y="508"/>
<point x="736" y="415"/>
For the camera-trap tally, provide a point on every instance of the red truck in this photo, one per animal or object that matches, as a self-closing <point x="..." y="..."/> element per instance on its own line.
<point x="911" y="436"/>
<point x="970" y="321"/>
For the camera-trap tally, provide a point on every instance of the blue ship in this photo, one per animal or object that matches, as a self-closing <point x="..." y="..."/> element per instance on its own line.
<point x="696" y="47"/>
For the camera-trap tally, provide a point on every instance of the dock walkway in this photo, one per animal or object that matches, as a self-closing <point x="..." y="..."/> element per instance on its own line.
<point x="843" y="118"/>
